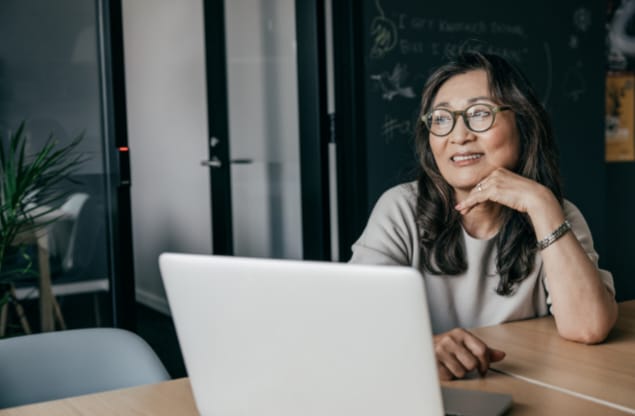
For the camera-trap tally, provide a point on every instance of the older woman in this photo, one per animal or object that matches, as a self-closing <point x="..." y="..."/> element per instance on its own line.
<point x="486" y="223"/>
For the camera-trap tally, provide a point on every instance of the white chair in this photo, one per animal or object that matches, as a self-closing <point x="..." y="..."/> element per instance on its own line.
<point x="83" y="267"/>
<point x="64" y="232"/>
<point x="55" y="365"/>
<point x="73" y="246"/>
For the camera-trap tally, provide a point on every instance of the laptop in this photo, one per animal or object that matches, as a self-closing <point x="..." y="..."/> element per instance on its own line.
<point x="286" y="338"/>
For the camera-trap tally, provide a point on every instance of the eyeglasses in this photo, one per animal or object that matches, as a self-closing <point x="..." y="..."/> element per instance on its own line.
<point x="478" y="118"/>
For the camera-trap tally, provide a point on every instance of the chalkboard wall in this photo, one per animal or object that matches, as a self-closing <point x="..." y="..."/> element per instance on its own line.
<point x="384" y="54"/>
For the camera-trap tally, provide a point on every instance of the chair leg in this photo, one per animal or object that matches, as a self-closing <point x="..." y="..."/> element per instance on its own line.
<point x="4" y="309"/>
<point x="97" y="308"/>
<point x="58" y="313"/>
<point x="19" y="311"/>
<point x="5" y="297"/>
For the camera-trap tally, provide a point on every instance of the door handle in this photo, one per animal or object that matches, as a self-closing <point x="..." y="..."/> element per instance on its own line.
<point x="214" y="162"/>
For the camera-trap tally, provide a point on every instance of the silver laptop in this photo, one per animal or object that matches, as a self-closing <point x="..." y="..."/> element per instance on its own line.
<point x="286" y="338"/>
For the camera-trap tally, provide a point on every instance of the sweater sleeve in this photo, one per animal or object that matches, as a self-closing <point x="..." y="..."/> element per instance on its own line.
<point x="390" y="236"/>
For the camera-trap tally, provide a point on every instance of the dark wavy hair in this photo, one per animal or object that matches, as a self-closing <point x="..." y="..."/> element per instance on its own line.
<point x="440" y="224"/>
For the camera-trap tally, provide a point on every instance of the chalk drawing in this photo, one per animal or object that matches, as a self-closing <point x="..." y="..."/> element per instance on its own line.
<point x="383" y="33"/>
<point x="573" y="42"/>
<point x="391" y="84"/>
<point x="582" y="19"/>
<point x="574" y="83"/>
<point x="393" y="126"/>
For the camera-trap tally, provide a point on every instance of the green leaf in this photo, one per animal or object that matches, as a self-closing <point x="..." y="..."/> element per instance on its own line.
<point x="24" y="177"/>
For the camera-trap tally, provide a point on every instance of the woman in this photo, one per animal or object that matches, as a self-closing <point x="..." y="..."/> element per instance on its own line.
<point x="486" y="223"/>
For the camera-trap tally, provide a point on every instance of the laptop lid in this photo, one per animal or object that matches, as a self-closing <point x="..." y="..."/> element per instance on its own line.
<point x="283" y="337"/>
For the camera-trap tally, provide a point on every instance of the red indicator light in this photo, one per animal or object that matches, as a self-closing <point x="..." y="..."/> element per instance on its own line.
<point x="123" y="148"/>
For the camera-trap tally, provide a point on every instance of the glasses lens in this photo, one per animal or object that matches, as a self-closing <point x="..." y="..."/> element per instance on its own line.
<point x="440" y="122"/>
<point x="480" y="117"/>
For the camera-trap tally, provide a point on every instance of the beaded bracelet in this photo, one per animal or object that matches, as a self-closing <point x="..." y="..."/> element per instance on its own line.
<point x="556" y="234"/>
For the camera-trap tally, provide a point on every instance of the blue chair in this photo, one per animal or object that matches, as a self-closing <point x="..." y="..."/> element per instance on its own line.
<point x="56" y="365"/>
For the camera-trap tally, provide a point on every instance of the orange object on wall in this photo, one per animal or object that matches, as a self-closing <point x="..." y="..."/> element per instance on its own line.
<point x="620" y="117"/>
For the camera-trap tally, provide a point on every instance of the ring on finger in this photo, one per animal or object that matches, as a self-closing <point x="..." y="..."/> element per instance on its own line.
<point x="479" y="187"/>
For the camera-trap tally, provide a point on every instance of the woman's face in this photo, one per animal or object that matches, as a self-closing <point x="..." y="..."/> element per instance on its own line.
<point x="464" y="157"/>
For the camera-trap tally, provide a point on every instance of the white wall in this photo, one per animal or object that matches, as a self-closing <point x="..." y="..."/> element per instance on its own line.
<point x="167" y="128"/>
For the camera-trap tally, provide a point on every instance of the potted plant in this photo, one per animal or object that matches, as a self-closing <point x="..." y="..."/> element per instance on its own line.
<point x="29" y="190"/>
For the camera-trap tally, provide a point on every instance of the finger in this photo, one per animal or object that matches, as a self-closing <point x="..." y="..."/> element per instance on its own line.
<point x="468" y="360"/>
<point x="496" y="355"/>
<point x="467" y="204"/>
<point x="452" y="364"/>
<point x="478" y="195"/>
<point x="444" y="373"/>
<point x="461" y="352"/>
<point x="465" y="211"/>
<point x="480" y="352"/>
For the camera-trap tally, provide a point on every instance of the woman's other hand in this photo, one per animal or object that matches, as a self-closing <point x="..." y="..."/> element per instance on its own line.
<point x="459" y="352"/>
<point x="511" y="190"/>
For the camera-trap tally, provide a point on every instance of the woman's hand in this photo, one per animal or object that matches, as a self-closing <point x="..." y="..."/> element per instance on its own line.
<point x="512" y="190"/>
<point x="459" y="352"/>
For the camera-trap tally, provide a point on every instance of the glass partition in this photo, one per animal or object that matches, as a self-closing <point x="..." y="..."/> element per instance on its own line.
<point x="51" y="79"/>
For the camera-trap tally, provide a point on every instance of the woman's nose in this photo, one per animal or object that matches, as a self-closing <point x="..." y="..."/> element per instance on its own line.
<point x="461" y="134"/>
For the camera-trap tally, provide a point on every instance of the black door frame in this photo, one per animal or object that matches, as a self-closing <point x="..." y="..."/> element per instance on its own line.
<point x="122" y="281"/>
<point x="313" y="121"/>
<point x="218" y="126"/>
<point x="314" y="128"/>
<point x="348" y="63"/>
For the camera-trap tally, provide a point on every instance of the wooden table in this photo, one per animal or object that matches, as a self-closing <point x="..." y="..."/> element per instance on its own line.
<point x="175" y="398"/>
<point x="169" y="398"/>
<point x="568" y="378"/>
<point x="533" y="400"/>
<point x="603" y="373"/>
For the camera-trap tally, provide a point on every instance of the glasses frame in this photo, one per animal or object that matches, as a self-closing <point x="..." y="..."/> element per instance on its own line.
<point x="494" y="109"/>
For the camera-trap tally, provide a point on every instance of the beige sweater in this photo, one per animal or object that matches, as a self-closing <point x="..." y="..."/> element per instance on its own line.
<point x="470" y="299"/>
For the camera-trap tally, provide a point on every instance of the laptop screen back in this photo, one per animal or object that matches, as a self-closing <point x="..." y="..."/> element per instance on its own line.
<point x="283" y="337"/>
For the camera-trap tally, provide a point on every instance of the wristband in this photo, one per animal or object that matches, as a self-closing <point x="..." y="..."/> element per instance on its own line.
<point x="556" y="234"/>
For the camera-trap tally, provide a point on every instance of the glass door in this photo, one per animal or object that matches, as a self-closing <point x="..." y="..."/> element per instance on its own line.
<point x="263" y="125"/>
<point x="259" y="161"/>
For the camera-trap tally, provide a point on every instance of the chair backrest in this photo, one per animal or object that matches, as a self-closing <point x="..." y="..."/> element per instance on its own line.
<point x="78" y="241"/>
<point x="86" y="254"/>
<point x="62" y="233"/>
<point x="73" y="207"/>
<point x="56" y="365"/>
<point x="74" y="203"/>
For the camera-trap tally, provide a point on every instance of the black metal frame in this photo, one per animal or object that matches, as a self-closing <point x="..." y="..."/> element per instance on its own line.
<point x="350" y="134"/>
<point x="217" y="122"/>
<point x="122" y="260"/>
<point x="314" y="129"/>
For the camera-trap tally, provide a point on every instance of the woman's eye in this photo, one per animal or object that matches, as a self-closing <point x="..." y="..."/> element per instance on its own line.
<point x="441" y="119"/>
<point x="480" y="114"/>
